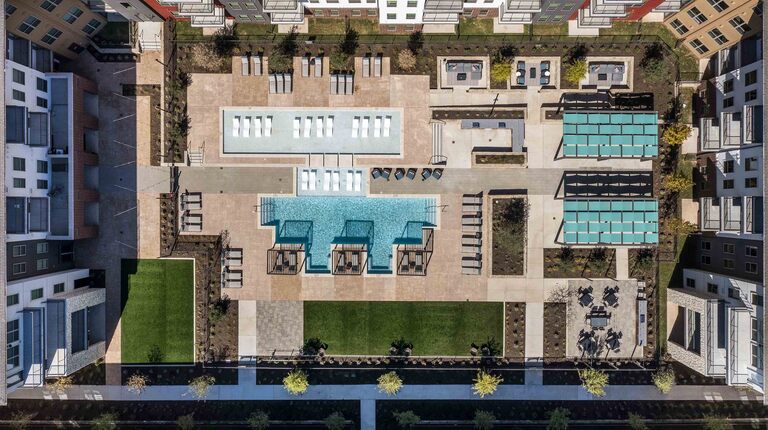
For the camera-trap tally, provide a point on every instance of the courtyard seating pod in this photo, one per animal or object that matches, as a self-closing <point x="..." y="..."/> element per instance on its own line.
<point x="472" y="234"/>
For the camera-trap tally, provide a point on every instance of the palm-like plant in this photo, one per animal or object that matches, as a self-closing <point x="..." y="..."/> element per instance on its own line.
<point x="390" y="383"/>
<point x="296" y="382"/>
<point x="594" y="381"/>
<point x="486" y="383"/>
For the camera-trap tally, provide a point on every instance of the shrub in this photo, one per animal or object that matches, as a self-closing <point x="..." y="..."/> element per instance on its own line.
<point x="712" y="422"/>
<point x="349" y="44"/>
<point x="406" y="419"/>
<point x="21" y="420"/>
<point x="258" y="420"/>
<point x="106" y="421"/>
<point x="401" y="347"/>
<point x="296" y="382"/>
<point x="390" y="383"/>
<point x="575" y="71"/>
<point x="313" y="346"/>
<point x="485" y="383"/>
<point x="636" y="422"/>
<point x="644" y="260"/>
<point x="678" y="183"/>
<point x="679" y="226"/>
<point x="501" y="71"/>
<point x="655" y="70"/>
<point x="339" y="61"/>
<point x="558" y="419"/>
<point x="279" y="62"/>
<point x="415" y="41"/>
<point x="599" y="260"/>
<point x="137" y="383"/>
<point x="490" y="348"/>
<point x="406" y="60"/>
<point x="676" y="134"/>
<point x="219" y="309"/>
<point x="335" y="421"/>
<point x="60" y="385"/>
<point x="484" y="420"/>
<point x="664" y="379"/>
<point x="594" y="381"/>
<point x="186" y="422"/>
<point x="199" y="386"/>
<point x="224" y="41"/>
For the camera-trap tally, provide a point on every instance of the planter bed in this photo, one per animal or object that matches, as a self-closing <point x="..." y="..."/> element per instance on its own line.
<point x="509" y="218"/>
<point x="514" y="329"/>
<point x="369" y="376"/>
<point x="179" y="375"/>
<point x="92" y="374"/>
<point x="566" y="373"/>
<point x="579" y="267"/>
<point x="499" y="159"/>
<point x="555" y="319"/>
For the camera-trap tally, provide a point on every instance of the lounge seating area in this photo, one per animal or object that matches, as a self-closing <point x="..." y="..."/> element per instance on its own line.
<point x="285" y="259"/>
<point x="242" y="126"/>
<point x="472" y="234"/>
<point x="606" y="74"/>
<point x="312" y="127"/>
<point x="407" y="174"/>
<point x="413" y="259"/>
<point x="231" y="278"/>
<point x="534" y="74"/>
<point x="361" y="126"/>
<point x="190" y="205"/>
<point x="322" y="181"/>
<point x="349" y="259"/>
<point x="372" y="66"/>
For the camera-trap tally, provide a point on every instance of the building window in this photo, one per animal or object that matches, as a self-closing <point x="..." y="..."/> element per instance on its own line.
<point x="392" y="16"/>
<point x="750" y="96"/>
<point x="333" y="12"/>
<point x="92" y="26"/>
<point x="372" y="12"/>
<point x="712" y="288"/>
<point x="19" y="164"/>
<point x="728" y="264"/>
<point x="29" y="24"/>
<point x="36" y="294"/>
<point x="43" y="103"/>
<point x="706" y="245"/>
<point x="19" y="183"/>
<point x="12" y="331"/>
<point x="483" y="12"/>
<point x="750" y="267"/>
<point x="750" y="251"/>
<point x="758" y="9"/>
<point x="719" y="5"/>
<point x="42" y="264"/>
<point x="411" y="3"/>
<point x="42" y="184"/>
<point x="705" y="259"/>
<point x="19" y="96"/>
<point x="410" y="16"/>
<point x="18" y="77"/>
<point x="696" y="15"/>
<point x="357" y="12"/>
<point x="729" y="248"/>
<point x="19" y="268"/>
<point x="19" y="250"/>
<point x="78" y="331"/>
<point x="733" y="293"/>
<point x="12" y="299"/>
<point x="13" y="356"/>
<point x="9" y="9"/>
<point x="391" y="3"/>
<point x="728" y="184"/>
<point x="717" y="36"/>
<point x="679" y="27"/>
<point x="234" y="5"/>
<point x="728" y="102"/>
<point x="728" y="86"/>
<point x="739" y="25"/>
<point x="58" y="288"/>
<point x="51" y="36"/>
<point x="750" y="78"/>
<point x="750" y="182"/>
<point x="690" y="282"/>
<point x="42" y="247"/>
<point x="750" y="164"/>
<point x="42" y="166"/>
<point x="728" y="166"/>
<point x="698" y="46"/>
<point x="72" y="14"/>
<point x="756" y="299"/>
<point x="49" y="5"/>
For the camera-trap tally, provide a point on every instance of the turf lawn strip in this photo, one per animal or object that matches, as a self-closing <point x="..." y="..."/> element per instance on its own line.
<point x="434" y="328"/>
<point x="158" y="310"/>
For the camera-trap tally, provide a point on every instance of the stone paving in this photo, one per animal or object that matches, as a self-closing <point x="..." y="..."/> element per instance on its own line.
<point x="268" y="327"/>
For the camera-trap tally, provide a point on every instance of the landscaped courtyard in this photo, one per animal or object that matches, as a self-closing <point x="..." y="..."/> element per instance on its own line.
<point x="434" y="328"/>
<point x="157" y="321"/>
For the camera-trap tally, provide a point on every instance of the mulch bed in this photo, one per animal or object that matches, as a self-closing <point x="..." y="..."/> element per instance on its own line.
<point x="92" y="374"/>
<point x="514" y="330"/>
<point x="579" y="267"/>
<point x="508" y="236"/>
<point x="499" y="113"/>
<point x="319" y="376"/>
<point x="179" y="375"/>
<point x="153" y="91"/>
<point x="555" y="319"/>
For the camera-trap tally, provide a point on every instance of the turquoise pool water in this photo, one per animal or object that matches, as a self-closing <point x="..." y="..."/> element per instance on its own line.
<point x="319" y="222"/>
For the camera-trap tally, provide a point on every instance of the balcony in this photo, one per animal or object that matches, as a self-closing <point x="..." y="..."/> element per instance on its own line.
<point x="710" y="213"/>
<point x="607" y="8"/>
<point x="587" y="20"/>
<point x="709" y="134"/>
<point x="444" y="6"/>
<point x="753" y="124"/>
<point x="753" y="211"/>
<point x="287" y="18"/>
<point x="440" y="17"/>
<point x="731" y="208"/>
<point x="281" y="6"/>
<point x="285" y="259"/>
<point x="200" y="8"/>
<point x="730" y="127"/>
<point x="669" y="6"/>
<point x="512" y="15"/>
<point x="216" y="20"/>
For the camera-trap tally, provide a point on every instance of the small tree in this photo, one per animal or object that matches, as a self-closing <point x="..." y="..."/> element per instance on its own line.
<point x="676" y="134"/>
<point x="60" y="385"/>
<point x="485" y="383"/>
<point x="712" y="422"/>
<point x="636" y="422"/>
<point x="594" y="381"/>
<point x="644" y="259"/>
<point x="21" y="420"/>
<point x="199" y="386"/>
<point x="186" y="422"/>
<point x="655" y="70"/>
<point x="390" y="383"/>
<point x="258" y="420"/>
<point x="313" y="346"/>
<point x="575" y="71"/>
<point x="279" y="62"/>
<point x="558" y="419"/>
<point x="406" y="60"/>
<point x="490" y="348"/>
<point x="137" y="383"/>
<point x="106" y="421"/>
<point x="501" y="71"/>
<point x="219" y="309"/>
<point x="484" y="420"/>
<point x="664" y="379"/>
<point x="406" y="419"/>
<point x="339" y="61"/>
<point x="335" y="421"/>
<point x="678" y="183"/>
<point x="679" y="226"/>
<point x="296" y="382"/>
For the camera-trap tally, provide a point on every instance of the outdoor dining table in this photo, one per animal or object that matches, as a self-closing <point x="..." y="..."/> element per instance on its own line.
<point x="611" y="299"/>
<point x="598" y="321"/>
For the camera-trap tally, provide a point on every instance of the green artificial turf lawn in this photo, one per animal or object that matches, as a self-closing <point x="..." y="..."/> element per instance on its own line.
<point x="158" y="311"/>
<point x="434" y="328"/>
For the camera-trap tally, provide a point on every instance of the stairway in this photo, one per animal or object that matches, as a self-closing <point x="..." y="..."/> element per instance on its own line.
<point x="195" y="158"/>
<point x="437" y="144"/>
<point x="150" y="36"/>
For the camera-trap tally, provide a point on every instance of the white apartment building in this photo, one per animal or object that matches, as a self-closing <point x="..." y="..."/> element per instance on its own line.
<point x="715" y="327"/>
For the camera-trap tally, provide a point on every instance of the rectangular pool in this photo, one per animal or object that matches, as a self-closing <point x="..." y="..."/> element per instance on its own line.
<point x="320" y="222"/>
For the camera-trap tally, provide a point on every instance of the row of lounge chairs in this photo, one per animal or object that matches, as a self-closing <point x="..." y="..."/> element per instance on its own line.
<point x="381" y="126"/>
<point x="308" y="62"/>
<point x="241" y="126"/>
<point x="400" y="173"/>
<point x="376" y="63"/>
<point x="343" y="84"/>
<point x="472" y="234"/>
<point x="323" y="127"/>
<point x="191" y="222"/>
<point x="231" y="278"/>
<point x="331" y="180"/>
<point x="280" y="83"/>
<point x="254" y="67"/>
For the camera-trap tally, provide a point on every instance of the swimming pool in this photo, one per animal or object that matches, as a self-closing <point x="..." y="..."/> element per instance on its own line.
<point x="320" y="222"/>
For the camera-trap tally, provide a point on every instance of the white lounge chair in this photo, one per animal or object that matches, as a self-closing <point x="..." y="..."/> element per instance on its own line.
<point x="312" y="179"/>
<point x="387" y="125"/>
<point x="349" y="180"/>
<point x="472" y="208"/>
<point x="304" y="179"/>
<point x="257" y="126"/>
<point x="236" y="126"/>
<point x="336" y="181"/>
<point x="319" y="126"/>
<point x="327" y="180"/>
<point x="244" y="64"/>
<point x="329" y="126"/>
<point x="296" y="127"/>
<point x="377" y="127"/>
<point x="355" y="125"/>
<point x="247" y="126"/>
<point x="307" y="126"/>
<point x="358" y="180"/>
<point x="472" y="200"/>
<point x="268" y="126"/>
<point x="471" y="240"/>
<point x="364" y="133"/>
